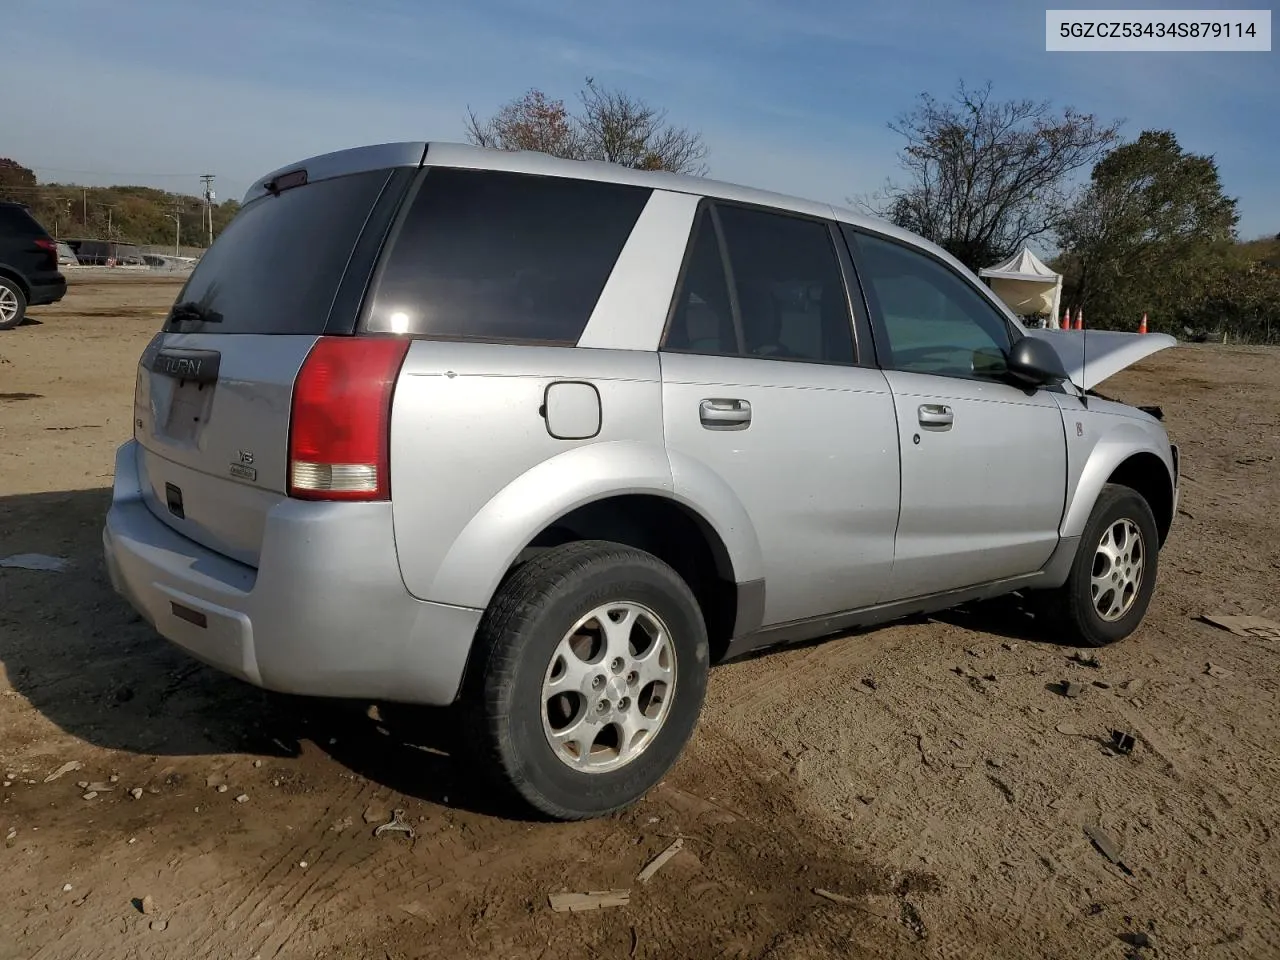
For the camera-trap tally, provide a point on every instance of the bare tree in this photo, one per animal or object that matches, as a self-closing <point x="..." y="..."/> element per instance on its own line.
<point x="619" y="128"/>
<point x="614" y="126"/>
<point x="531" y="122"/>
<point x="985" y="176"/>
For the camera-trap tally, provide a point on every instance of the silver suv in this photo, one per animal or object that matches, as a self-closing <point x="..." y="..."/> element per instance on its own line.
<point x="544" y="439"/>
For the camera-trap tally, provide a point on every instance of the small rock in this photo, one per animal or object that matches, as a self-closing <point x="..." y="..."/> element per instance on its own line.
<point x="82" y="784"/>
<point x="257" y="763"/>
<point x="996" y="762"/>
<point x="222" y="788"/>
<point x="971" y="651"/>
<point x="148" y="905"/>
<point x="303" y="864"/>
<point x="1009" y="646"/>
<point x="136" y="793"/>
<point x="867" y="798"/>
<point x="1071" y="689"/>
<point x="13" y="832"/>
<point x="1067" y="729"/>
<point x="8" y="783"/>
<point x="375" y="815"/>
<point x="114" y="778"/>
<point x="159" y="926"/>
<point x="66" y="888"/>
<point x="990" y="678"/>
<point x="91" y="794"/>
<point x="1135" y="684"/>
<point x="1087" y="659"/>
<point x="1213" y="670"/>
<point x="275" y="783"/>
<point x="1102" y="685"/>
<point x="243" y="798"/>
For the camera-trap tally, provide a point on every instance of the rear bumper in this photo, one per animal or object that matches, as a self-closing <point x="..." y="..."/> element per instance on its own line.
<point x="47" y="288"/>
<point x="326" y="613"/>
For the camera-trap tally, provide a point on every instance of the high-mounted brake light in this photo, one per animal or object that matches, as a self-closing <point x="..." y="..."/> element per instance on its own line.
<point x="340" y="428"/>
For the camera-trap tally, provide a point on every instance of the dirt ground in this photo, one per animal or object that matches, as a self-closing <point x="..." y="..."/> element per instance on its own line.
<point x="923" y="773"/>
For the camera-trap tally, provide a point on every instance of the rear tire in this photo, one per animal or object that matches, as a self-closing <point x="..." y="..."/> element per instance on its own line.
<point x="572" y="716"/>
<point x="1113" y="575"/>
<point x="13" y="304"/>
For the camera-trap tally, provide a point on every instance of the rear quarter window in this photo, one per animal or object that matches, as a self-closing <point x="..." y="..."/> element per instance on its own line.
<point x="496" y="256"/>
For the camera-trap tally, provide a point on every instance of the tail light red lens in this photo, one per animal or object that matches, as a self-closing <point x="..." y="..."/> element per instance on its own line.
<point x="50" y="247"/>
<point x="340" y="428"/>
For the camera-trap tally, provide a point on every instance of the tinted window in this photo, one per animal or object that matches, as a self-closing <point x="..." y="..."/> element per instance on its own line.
<point x="15" y="221"/>
<point x="790" y="293"/>
<point x="790" y="290"/>
<point x="277" y="265"/>
<point x="702" y="321"/>
<point x="930" y="319"/>
<point x="484" y="255"/>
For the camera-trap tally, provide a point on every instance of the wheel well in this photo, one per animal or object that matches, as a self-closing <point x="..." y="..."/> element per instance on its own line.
<point x="17" y="278"/>
<point x="672" y="533"/>
<point x="1147" y="474"/>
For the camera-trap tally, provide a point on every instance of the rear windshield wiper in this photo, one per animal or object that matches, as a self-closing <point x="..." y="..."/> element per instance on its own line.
<point x="193" y="312"/>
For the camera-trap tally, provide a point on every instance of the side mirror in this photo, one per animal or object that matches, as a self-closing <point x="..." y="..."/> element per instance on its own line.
<point x="1034" y="362"/>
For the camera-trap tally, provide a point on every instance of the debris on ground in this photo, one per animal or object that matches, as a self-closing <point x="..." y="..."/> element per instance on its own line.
<point x="13" y="832"/>
<point x="1132" y="685"/>
<point x="1213" y="670"/>
<point x="1245" y="626"/>
<point x="396" y="824"/>
<point x="1102" y="685"/>
<point x="1086" y="659"/>
<point x="147" y="905"/>
<point x="595" y="900"/>
<point x="34" y="561"/>
<point x="658" y="862"/>
<point x="1122" y="741"/>
<point x="1069" y="688"/>
<point x="374" y="814"/>
<point x="1107" y="847"/>
<point x="68" y="767"/>
<point x="136" y="793"/>
<point x="222" y="788"/>
<point x="1067" y="729"/>
<point x="835" y="897"/>
<point x="243" y="798"/>
<point x="159" y="926"/>
<point x="91" y="794"/>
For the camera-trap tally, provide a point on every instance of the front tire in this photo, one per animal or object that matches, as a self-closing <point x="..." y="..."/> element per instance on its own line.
<point x="1113" y="575"/>
<point x="589" y="675"/>
<point x="13" y="304"/>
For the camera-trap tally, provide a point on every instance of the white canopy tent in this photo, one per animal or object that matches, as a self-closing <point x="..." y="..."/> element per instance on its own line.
<point x="1026" y="285"/>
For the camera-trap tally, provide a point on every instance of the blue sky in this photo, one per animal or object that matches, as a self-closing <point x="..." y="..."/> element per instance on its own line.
<point x="790" y="95"/>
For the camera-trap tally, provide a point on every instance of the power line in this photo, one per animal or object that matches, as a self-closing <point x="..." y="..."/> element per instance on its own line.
<point x="113" y="173"/>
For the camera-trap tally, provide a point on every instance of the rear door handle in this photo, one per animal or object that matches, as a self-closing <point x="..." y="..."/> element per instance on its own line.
<point x="935" y="415"/>
<point x="725" y="414"/>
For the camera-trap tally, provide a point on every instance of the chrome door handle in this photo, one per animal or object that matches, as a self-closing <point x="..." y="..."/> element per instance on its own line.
<point x="935" y="415"/>
<point x="725" y="414"/>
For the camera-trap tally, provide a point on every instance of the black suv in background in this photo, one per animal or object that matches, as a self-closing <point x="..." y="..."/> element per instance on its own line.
<point x="29" y="272"/>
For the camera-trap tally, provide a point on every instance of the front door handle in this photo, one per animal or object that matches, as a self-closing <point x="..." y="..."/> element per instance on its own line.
<point x="935" y="415"/>
<point x="725" y="414"/>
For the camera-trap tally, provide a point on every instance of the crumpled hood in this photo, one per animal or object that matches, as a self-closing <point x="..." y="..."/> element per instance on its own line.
<point x="1091" y="356"/>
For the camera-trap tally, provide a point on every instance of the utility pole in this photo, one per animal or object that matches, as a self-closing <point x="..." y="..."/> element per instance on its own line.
<point x="110" y="207"/>
<point x="207" y="180"/>
<point x="177" y="231"/>
<point x="84" y="208"/>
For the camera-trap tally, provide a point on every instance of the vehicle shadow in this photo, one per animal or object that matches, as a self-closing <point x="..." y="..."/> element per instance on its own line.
<point x="1011" y="617"/>
<point x="80" y="656"/>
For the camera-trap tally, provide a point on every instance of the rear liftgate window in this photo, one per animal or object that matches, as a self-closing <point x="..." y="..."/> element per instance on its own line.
<point x="492" y="256"/>
<point x="277" y="266"/>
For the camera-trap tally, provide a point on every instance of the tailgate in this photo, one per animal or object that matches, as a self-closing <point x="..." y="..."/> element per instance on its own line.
<point x="214" y="389"/>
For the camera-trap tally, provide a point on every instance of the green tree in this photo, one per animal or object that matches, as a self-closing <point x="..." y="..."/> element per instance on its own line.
<point x="985" y="176"/>
<point x="1153" y="233"/>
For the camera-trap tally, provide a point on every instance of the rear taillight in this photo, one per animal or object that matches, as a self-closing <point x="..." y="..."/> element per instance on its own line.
<point x="340" y="429"/>
<point x="49" y="247"/>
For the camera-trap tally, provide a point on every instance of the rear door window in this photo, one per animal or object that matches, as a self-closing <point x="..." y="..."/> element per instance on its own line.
<point x="277" y="266"/>
<point x="496" y="256"/>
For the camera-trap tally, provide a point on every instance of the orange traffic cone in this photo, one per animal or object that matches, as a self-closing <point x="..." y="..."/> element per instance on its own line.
<point x="1066" y="319"/>
<point x="1079" y="318"/>
<point x="1142" y="327"/>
